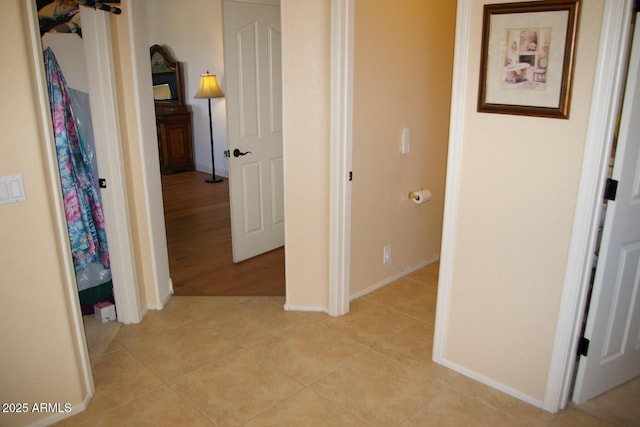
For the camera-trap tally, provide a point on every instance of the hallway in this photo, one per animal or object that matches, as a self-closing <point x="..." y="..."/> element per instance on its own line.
<point x="230" y="361"/>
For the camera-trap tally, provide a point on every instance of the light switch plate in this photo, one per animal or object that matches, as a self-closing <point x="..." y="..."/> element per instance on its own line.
<point x="406" y="140"/>
<point x="386" y="254"/>
<point x="11" y="189"/>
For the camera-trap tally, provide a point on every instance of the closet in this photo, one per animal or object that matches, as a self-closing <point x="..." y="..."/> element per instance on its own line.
<point x="68" y="86"/>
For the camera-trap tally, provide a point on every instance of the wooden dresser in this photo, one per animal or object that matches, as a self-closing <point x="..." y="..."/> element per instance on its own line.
<point x="173" y="116"/>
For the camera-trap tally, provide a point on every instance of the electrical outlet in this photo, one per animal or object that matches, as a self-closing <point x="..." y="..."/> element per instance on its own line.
<point x="386" y="254"/>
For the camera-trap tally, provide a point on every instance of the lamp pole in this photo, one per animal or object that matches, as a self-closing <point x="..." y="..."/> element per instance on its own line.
<point x="213" y="177"/>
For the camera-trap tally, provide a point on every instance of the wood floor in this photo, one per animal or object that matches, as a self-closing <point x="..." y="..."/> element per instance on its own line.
<point x="199" y="243"/>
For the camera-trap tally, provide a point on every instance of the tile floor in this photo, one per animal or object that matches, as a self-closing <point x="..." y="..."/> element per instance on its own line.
<point x="229" y="361"/>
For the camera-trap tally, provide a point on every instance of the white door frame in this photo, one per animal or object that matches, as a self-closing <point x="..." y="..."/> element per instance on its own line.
<point x="605" y="106"/>
<point x="34" y="46"/>
<point x="454" y="159"/>
<point x="106" y="126"/>
<point x="100" y="70"/>
<point x="605" y="103"/>
<point x="613" y="352"/>
<point x="342" y="23"/>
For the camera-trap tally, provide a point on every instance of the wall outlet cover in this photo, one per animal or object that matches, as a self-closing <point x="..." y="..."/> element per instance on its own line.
<point x="386" y="254"/>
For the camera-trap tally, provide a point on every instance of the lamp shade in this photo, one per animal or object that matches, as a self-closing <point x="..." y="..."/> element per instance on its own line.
<point x="208" y="87"/>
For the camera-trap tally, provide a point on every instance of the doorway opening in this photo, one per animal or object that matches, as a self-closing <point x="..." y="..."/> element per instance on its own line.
<point x="68" y="85"/>
<point x="65" y="50"/>
<point x="198" y="228"/>
<point x="225" y="238"/>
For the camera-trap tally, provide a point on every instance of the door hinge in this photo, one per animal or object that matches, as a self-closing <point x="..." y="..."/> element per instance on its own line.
<point x="611" y="189"/>
<point x="583" y="346"/>
<point x="350" y="175"/>
<point x="102" y="183"/>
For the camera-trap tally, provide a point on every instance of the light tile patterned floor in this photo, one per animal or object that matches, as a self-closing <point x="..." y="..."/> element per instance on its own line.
<point x="226" y="361"/>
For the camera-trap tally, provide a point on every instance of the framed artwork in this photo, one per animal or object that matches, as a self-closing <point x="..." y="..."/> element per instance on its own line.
<point x="527" y="60"/>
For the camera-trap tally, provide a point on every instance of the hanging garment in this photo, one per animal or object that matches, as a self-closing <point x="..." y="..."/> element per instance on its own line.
<point x="85" y="221"/>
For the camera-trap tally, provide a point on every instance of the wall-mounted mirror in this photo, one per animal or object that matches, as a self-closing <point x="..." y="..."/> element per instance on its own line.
<point x="167" y="76"/>
<point x="173" y="116"/>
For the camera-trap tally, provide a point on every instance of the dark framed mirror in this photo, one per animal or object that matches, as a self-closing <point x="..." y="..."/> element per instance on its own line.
<point x="166" y="74"/>
<point x="173" y="116"/>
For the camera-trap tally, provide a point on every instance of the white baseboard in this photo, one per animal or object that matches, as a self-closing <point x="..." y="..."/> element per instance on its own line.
<point x="289" y="307"/>
<point x="206" y="168"/>
<point x="163" y="300"/>
<point x="492" y="383"/>
<point x="395" y="277"/>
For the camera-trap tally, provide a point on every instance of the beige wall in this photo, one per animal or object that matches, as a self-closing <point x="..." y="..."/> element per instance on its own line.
<point x="414" y="95"/>
<point x="42" y="362"/>
<point x="402" y="78"/>
<point x="305" y="64"/>
<point x="306" y="116"/>
<point x="139" y="139"/>
<point x="512" y="227"/>
<point x="39" y="360"/>
<point x="518" y="185"/>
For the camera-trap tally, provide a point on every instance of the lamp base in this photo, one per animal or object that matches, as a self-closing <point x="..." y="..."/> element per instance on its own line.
<point x="213" y="178"/>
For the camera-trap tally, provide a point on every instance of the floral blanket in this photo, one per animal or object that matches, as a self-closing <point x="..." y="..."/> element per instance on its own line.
<point x="85" y="221"/>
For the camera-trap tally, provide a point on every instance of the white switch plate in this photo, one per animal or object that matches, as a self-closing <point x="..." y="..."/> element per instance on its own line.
<point x="406" y="140"/>
<point x="386" y="254"/>
<point x="11" y="189"/>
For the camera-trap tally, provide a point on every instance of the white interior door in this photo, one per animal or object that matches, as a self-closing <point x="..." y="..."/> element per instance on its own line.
<point x="253" y="72"/>
<point x="613" y="321"/>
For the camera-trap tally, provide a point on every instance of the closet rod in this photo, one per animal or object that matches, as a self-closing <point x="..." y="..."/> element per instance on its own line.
<point x="101" y="6"/>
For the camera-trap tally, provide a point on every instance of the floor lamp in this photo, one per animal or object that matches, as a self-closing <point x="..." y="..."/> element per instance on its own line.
<point x="209" y="89"/>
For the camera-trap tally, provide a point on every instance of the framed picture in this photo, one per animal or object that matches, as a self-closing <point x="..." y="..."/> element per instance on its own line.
<point x="527" y="61"/>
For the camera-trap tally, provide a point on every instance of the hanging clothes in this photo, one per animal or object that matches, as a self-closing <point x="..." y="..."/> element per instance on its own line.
<point x="85" y="221"/>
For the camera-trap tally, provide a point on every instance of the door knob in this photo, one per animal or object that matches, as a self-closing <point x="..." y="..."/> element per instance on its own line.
<point x="238" y="153"/>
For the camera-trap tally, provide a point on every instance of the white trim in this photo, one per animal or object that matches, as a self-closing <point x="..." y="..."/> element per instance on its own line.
<point x="162" y="302"/>
<point x="342" y="22"/>
<point x="454" y="158"/>
<point x="395" y="277"/>
<point x="288" y="307"/>
<point x="605" y="104"/>
<point x="148" y="141"/>
<point x="493" y="384"/>
<point x="206" y="168"/>
<point x="58" y="212"/>
<point x="106" y="124"/>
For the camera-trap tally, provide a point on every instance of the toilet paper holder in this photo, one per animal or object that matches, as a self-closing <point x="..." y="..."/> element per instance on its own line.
<point x="413" y="195"/>
<point x="419" y="197"/>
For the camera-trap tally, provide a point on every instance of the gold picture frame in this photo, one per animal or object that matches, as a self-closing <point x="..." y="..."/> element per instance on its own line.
<point x="527" y="59"/>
